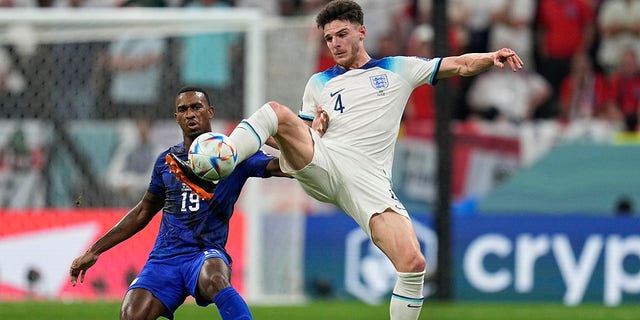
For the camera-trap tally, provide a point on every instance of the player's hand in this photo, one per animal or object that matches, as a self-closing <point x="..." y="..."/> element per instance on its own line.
<point x="80" y="265"/>
<point x="506" y="55"/>
<point x="321" y="121"/>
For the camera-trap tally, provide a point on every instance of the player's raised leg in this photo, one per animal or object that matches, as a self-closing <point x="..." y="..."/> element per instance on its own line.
<point x="395" y="236"/>
<point x="272" y="119"/>
<point x="275" y="120"/>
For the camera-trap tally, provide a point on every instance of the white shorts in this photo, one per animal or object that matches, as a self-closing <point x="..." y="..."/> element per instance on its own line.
<point x="340" y="175"/>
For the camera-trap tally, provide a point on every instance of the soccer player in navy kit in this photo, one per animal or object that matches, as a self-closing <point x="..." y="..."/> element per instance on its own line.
<point x="350" y="166"/>
<point x="189" y="256"/>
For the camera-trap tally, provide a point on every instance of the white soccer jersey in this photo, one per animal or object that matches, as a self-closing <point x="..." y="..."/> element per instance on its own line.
<point x="365" y="105"/>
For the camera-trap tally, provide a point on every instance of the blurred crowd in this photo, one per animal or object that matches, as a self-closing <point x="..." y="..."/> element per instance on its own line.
<point x="581" y="57"/>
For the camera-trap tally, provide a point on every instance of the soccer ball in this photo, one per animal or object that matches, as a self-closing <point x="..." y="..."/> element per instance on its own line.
<point x="211" y="156"/>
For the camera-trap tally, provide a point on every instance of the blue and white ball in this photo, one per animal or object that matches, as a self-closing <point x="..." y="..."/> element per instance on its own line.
<point x="212" y="156"/>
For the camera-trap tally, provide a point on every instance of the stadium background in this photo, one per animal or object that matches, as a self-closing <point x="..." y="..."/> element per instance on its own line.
<point x="533" y="213"/>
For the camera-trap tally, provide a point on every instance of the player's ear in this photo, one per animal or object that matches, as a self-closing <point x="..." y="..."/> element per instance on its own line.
<point x="212" y="111"/>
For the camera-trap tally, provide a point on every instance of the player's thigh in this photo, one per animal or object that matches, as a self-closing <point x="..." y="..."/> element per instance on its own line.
<point x="139" y="304"/>
<point x="214" y="276"/>
<point x="394" y="235"/>
<point x="293" y="137"/>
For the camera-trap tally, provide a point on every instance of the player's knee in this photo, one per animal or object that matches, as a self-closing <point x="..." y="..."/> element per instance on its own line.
<point x="140" y="304"/>
<point x="283" y="112"/>
<point x="212" y="284"/>
<point x="219" y="281"/>
<point x="127" y="312"/>
<point x="420" y="264"/>
<point x="275" y="106"/>
<point x="415" y="262"/>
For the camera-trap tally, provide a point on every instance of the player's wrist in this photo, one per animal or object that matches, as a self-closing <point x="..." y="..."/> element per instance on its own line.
<point x="94" y="251"/>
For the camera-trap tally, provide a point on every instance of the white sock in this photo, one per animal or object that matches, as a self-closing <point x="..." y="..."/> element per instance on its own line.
<point x="406" y="301"/>
<point x="253" y="132"/>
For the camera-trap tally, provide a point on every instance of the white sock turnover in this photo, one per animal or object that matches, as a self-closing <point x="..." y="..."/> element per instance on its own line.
<point x="406" y="301"/>
<point x="253" y="132"/>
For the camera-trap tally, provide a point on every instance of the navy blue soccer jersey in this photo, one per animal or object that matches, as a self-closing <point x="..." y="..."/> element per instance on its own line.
<point x="190" y="223"/>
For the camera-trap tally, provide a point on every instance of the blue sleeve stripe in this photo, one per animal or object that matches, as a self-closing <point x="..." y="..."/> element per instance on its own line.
<point x="433" y="80"/>
<point x="248" y="126"/>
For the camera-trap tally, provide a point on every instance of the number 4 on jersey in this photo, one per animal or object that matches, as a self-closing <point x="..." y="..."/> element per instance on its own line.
<point x="338" y="106"/>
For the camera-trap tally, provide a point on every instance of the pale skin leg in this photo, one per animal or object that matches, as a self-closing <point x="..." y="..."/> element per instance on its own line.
<point x="293" y="137"/>
<point x="391" y="232"/>
<point x="395" y="236"/>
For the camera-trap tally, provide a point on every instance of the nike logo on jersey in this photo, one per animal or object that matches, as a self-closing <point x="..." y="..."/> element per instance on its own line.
<point x="334" y="93"/>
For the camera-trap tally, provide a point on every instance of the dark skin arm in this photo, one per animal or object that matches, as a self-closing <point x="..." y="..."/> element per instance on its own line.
<point x="273" y="169"/>
<point x="135" y="220"/>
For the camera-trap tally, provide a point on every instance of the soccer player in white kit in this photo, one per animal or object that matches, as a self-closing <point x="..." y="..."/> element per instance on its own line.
<point x="350" y="165"/>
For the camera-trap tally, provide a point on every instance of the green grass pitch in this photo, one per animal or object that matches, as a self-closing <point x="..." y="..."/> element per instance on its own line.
<point x="330" y="310"/>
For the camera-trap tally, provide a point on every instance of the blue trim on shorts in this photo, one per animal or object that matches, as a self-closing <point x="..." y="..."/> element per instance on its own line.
<point x="216" y="253"/>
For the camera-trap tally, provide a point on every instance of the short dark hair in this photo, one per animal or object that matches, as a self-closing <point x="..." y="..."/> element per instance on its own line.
<point x="340" y="10"/>
<point x="195" y="89"/>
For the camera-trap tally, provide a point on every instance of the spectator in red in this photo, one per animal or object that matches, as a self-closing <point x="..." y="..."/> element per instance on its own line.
<point x="584" y="91"/>
<point x="420" y="109"/>
<point x="324" y="60"/>
<point x="619" y="27"/>
<point x="625" y="86"/>
<point x="564" y="28"/>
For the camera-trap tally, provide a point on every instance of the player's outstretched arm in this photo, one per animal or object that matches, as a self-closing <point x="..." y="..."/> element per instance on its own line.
<point x="471" y="64"/>
<point x="182" y="171"/>
<point x="135" y="220"/>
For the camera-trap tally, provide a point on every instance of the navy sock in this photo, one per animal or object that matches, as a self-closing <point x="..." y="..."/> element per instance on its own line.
<point x="231" y="305"/>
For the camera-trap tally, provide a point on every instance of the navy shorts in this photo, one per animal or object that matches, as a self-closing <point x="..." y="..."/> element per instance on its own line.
<point x="172" y="280"/>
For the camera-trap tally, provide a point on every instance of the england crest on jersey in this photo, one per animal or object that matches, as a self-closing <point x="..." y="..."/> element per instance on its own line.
<point x="379" y="82"/>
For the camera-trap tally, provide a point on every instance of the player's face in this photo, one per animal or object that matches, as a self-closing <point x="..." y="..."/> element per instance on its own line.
<point x="193" y="113"/>
<point x="345" y="41"/>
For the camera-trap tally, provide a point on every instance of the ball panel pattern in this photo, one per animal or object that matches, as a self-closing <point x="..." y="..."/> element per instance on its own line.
<point x="212" y="156"/>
